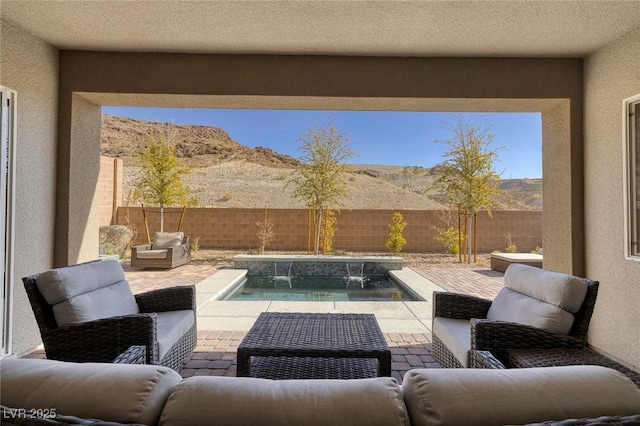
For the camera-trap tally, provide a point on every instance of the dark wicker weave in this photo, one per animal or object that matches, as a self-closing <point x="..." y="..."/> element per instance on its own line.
<point x="104" y="339"/>
<point x="314" y="336"/>
<point x="282" y="368"/>
<point x="133" y="355"/>
<point x="527" y="358"/>
<point x="485" y="359"/>
<point x="498" y="336"/>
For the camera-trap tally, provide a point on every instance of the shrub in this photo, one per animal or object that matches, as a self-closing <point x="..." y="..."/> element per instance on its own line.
<point x="449" y="238"/>
<point x="511" y="246"/>
<point x="195" y="243"/>
<point x="265" y="234"/>
<point x="395" y="241"/>
<point x="328" y="230"/>
<point x="114" y="239"/>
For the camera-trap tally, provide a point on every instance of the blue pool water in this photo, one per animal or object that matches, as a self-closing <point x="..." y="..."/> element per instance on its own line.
<point x="318" y="289"/>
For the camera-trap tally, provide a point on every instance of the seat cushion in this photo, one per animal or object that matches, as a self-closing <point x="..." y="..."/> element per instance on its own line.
<point x="172" y="325"/>
<point x="516" y="396"/>
<point x="112" y="392"/>
<point x="455" y="334"/>
<point x="87" y="292"/>
<point x="225" y="401"/>
<point x="167" y="239"/>
<point x="152" y="254"/>
<point x="564" y="291"/>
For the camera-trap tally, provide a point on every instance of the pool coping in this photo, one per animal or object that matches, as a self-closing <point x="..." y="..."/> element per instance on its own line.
<point x="393" y="317"/>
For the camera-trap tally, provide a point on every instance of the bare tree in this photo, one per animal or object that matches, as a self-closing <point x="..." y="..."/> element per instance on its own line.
<point x="320" y="179"/>
<point x="468" y="178"/>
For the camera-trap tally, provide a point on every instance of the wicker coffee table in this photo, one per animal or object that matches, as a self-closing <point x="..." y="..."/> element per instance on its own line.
<point x="314" y="346"/>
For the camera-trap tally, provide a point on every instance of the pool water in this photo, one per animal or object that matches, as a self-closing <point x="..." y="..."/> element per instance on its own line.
<point x="318" y="289"/>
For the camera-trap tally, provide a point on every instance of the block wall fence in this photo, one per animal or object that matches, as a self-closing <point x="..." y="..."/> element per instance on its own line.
<point x="356" y="230"/>
<point x="109" y="190"/>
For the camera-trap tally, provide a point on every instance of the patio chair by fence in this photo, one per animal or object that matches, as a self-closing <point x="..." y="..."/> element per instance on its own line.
<point x="168" y="250"/>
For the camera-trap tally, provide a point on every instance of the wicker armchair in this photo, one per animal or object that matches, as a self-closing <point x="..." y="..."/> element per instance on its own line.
<point x="497" y="337"/>
<point x="104" y="339"/>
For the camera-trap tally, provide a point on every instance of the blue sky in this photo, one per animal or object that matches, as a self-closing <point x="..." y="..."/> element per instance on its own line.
<point x="379" y="137"/>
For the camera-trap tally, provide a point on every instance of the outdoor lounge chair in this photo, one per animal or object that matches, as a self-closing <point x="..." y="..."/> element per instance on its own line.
<point x="536" y="309"/>
<point x="168" y="250"/>
<point x="87" y="313"/>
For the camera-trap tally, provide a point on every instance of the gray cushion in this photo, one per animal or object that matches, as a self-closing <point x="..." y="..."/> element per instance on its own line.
<point x="151" y="254"/>
<point x="512" y="306"/>
<point x="167" y="239"/>
<point x="562" y="290"/>
<point x="516" y="396"/>
<point x="87" y="292"/>
<point x="224" y="401"/>
<point x="455" y="334"/>
<point x="172" y="325"/>
<point x="111" y="392"/>
<point x="60" y="284"/>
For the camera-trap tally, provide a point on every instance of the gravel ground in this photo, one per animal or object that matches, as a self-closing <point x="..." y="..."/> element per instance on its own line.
<point x="221" y="258"/>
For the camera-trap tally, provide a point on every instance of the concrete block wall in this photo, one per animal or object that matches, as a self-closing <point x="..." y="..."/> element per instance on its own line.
<point x="109" y="189"/>
<point x="356" y="230"/>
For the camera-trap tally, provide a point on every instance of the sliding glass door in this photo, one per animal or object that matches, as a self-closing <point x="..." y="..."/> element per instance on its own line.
<point x="7" y="200"/>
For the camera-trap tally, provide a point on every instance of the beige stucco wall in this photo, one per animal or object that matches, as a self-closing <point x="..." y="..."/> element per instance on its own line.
<point x="30" y="67"/>
<point x="611" y="75"/>
<point x="551" y="86"/>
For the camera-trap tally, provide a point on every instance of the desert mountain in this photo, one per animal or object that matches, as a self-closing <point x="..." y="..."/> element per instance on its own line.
<point x="198" y="146"/>
<point x="229" y="174"/>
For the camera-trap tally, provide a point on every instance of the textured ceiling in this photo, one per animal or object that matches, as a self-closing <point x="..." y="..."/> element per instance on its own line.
<point x="389" y="28"/>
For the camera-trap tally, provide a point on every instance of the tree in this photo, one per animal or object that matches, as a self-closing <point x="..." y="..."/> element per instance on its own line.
<point x="468" y="178"/>
<point x="159" y="181"/>
<point x="320" y="179"/>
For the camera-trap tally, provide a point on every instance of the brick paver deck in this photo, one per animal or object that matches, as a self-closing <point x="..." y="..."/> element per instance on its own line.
<point x="215" y="353"/>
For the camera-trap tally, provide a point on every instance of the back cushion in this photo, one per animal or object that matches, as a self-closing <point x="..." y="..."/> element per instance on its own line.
<point x="539" y="298"/>
<point x="111" y="392"/>
<point x="516" y="307"/>
<point x="561" y="290"/>
<point x="167" y="239"/>
<point x="87" y="292"/>
<point x="234" y="401"/>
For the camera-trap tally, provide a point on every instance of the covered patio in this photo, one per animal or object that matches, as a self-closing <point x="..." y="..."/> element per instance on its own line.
<point x="573" y="62"/>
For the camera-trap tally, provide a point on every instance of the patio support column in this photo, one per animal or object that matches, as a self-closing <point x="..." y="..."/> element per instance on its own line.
<point x="78" y="168"/>
<point x="562" y="190"/>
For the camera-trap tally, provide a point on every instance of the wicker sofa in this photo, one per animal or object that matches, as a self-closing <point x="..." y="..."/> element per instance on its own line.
<point x="54" y="392"/>
<point x="536" y="309"/>
<point x="87" y="313"/>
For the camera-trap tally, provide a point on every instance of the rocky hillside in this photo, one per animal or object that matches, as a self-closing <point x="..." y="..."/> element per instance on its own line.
<point x="229" y="174"/>
<point x="198" y="146"/>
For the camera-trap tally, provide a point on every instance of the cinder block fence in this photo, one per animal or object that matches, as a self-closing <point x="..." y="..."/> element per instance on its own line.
<point x="356" y="230"/>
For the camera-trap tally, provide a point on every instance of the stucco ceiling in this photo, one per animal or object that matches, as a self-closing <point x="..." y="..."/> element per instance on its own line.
<point x="530" y="28"/>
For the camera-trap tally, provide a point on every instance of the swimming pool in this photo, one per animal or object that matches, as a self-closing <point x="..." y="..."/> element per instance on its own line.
<point x="319" y="289"/>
